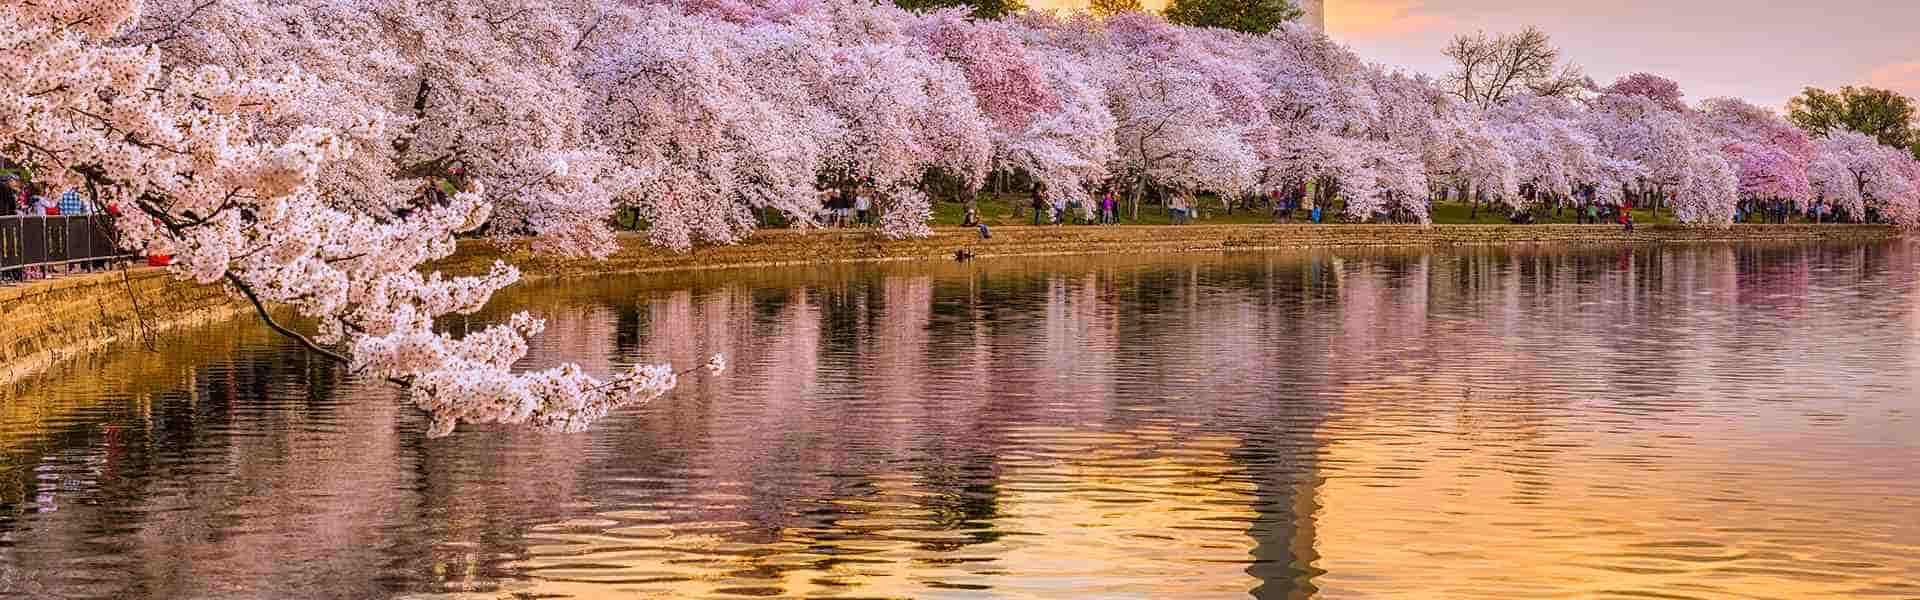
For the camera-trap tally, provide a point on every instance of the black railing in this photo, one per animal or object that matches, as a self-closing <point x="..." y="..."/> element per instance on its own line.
<point x="31" y="242"/>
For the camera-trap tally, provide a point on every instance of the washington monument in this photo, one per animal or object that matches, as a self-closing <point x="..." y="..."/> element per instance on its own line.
<point x="1316" y="13"/>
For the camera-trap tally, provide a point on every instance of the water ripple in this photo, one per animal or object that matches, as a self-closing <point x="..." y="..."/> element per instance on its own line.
<point x="1653" y="422"/>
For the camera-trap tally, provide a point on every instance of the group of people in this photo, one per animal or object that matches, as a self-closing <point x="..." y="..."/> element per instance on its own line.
<point x="848" y="207"/>
<point x="1759" y="211"/>
<point x="1596" y="214"/>
<point x="1106" y="210"/>
<point x="22" y="198"/>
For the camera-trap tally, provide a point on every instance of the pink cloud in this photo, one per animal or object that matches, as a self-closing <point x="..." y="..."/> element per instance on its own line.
<point x="1899" y="77"/>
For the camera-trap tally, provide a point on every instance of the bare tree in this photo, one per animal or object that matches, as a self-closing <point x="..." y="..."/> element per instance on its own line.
<point x="1488" y="70"/>
<point x="1108" y="8"/>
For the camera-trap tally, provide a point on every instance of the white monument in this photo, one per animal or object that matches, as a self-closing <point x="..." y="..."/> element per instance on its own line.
<point x="1316" y="16"/>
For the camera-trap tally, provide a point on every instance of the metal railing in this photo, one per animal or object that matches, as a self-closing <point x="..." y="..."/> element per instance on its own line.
<point x="28" y="242"/>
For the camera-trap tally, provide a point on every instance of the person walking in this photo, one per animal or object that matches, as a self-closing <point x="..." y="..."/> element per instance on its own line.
<point x="1038" y="203"/>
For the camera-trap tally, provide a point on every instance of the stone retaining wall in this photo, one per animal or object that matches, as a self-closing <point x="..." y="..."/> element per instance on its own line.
<point x="47" y="322"/>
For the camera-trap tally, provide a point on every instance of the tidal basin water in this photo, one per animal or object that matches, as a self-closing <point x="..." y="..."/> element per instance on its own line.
<point x="1633" y="422"/>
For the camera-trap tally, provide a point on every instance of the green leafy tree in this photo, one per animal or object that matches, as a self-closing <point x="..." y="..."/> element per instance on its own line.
<point x="1883" y="114"/>
<point x="985" y="9"/>
<point x="1250" y="16"/>
<point x="1108" y="8"/>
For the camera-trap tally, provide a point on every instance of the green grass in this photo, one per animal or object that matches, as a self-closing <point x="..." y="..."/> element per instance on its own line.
<point x="999" y="210"/>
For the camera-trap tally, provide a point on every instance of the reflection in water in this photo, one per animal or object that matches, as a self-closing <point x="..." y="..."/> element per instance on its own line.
<point x="1695" y="422"/>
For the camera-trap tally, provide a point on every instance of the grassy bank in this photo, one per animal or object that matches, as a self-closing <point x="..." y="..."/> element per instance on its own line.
<point x="1001" y="210"/>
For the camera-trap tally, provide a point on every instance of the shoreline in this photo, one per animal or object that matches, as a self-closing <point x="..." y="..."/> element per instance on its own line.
<point x="775" y="248"/>
<point x="64" y="320"/>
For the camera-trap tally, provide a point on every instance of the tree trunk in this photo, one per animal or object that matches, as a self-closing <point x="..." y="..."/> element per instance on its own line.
<point x="1138" y="187"/>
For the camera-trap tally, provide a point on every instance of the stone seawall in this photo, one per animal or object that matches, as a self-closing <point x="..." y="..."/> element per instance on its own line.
<point x="796" y="247"/>
<point x="47" y="322"/>
<point x="44" y="323"/>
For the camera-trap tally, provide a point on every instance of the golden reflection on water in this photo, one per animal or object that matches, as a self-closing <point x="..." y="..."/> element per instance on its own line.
<point x="1176" y="507"/>
<point x="1703" y="422"/>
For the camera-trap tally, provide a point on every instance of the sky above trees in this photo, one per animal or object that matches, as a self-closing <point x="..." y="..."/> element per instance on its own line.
<point x="1765" y="54"/>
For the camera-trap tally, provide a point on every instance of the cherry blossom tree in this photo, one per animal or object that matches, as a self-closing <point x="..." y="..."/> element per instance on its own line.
<point x="1009" y="85"/>
<point x="194" y="157"/>
<point x="1832" y="181"/>
<point x="696" y="140"/>
<point x="1046" y="117"/>
<point x="1772" y="156"/>
<point x="1662" y="91"/>
<point x="1857" y="172"/>
<point x="713" y="109"/>
<point x="470" y="88"/>
<point x="901" y="112"/>
<point x="1767" y="172"/>
<point x="1070" y="146"/>
<point x="1319" y="95"/>
<point x="1554" y="154"/>
<point x="1453" y="141"/>
<point x="1174" y="125"/>
<point x="1673" y="157"/>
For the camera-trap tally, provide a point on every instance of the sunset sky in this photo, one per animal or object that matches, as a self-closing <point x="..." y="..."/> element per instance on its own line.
<point x="1764" y="51"/>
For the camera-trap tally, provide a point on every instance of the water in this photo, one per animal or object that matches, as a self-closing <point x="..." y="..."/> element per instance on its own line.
<point x="1679" y="422"/>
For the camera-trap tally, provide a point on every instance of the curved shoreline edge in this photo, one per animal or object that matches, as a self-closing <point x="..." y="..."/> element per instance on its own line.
<point x="67" y="319"/>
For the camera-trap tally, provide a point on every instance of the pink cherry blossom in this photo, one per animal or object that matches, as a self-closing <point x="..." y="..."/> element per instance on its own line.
<point x="1860" y="175"/>
<point x="1662" y="91"/>
<point x="208" y="167"/>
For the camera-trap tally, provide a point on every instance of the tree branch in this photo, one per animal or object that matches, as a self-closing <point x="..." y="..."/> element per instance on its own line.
<point x="258" y="307"/>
